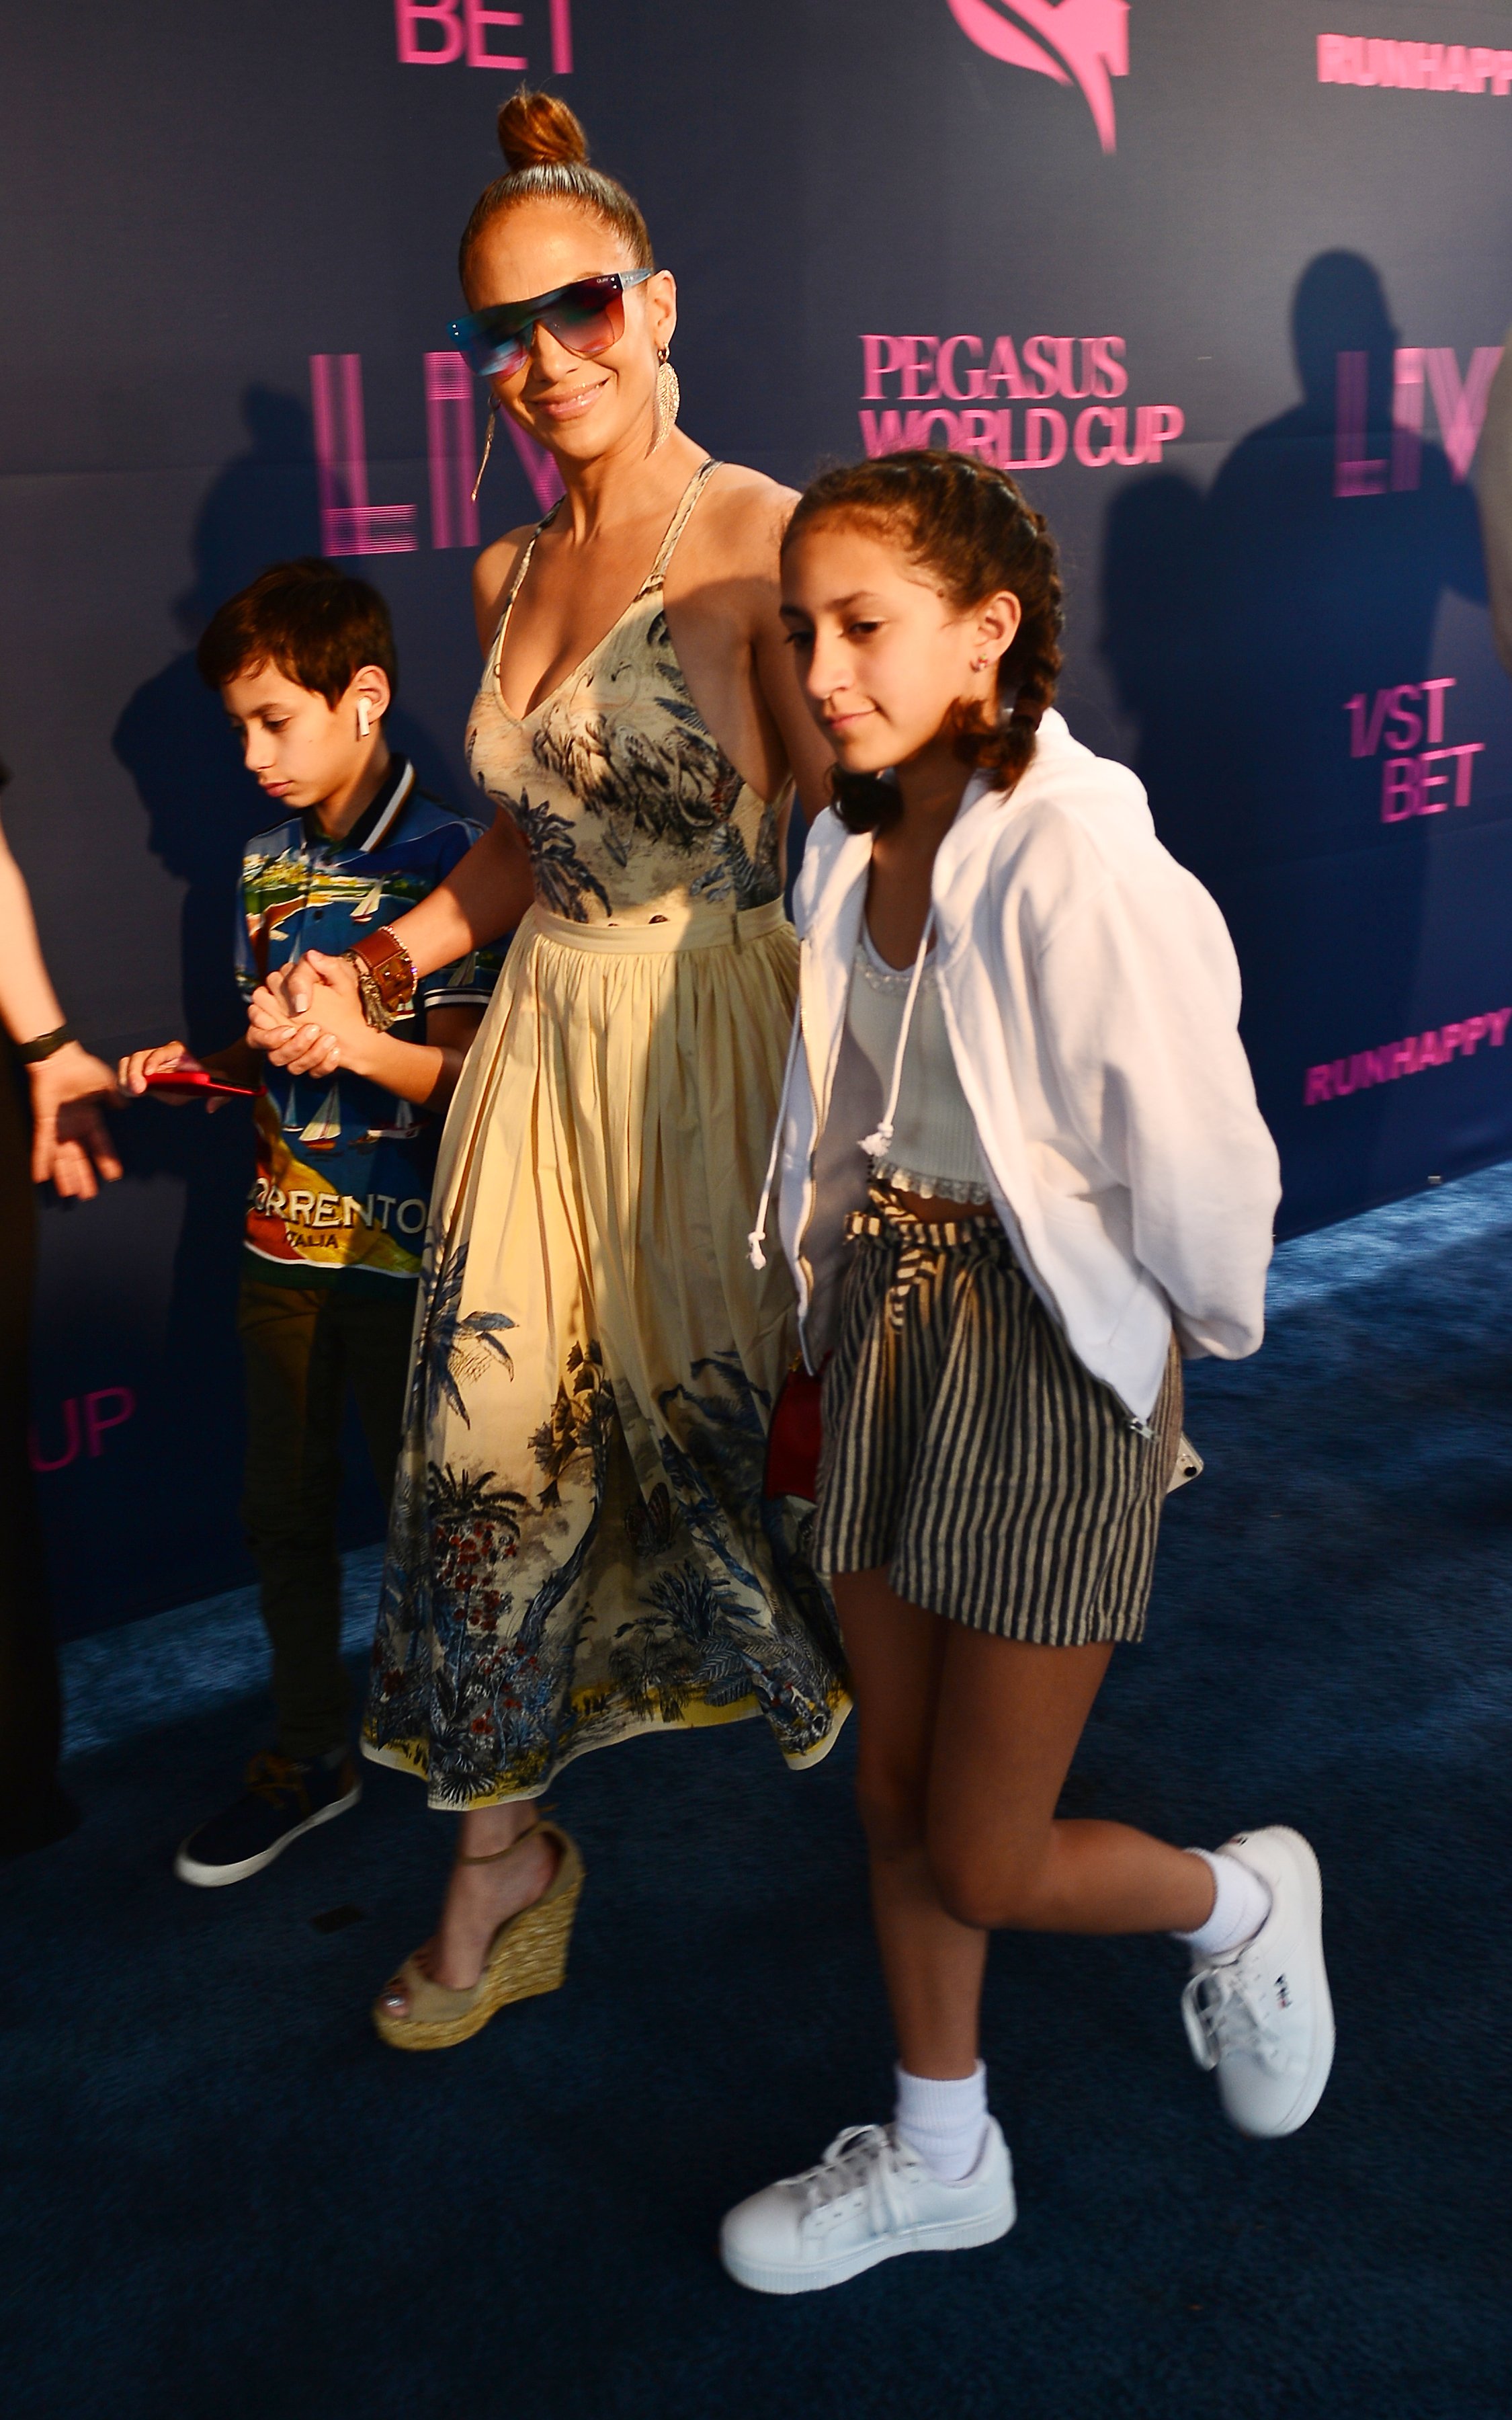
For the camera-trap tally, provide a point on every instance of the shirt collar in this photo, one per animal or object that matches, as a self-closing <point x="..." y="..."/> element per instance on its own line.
<point x="375" y="823"/>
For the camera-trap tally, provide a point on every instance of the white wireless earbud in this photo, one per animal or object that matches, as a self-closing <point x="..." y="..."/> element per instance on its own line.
<point x="365" y="717"/>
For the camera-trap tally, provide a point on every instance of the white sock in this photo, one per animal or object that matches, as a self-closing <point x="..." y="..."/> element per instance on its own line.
<point x="943" y="2121"/>
<point x="1240" y="1907"/>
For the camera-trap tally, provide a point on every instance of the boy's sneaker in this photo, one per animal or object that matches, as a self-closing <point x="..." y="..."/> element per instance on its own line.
<point x="285" y="1796"/>
<point x="1261" y="2014"/>
<point x="869" y="2199"/>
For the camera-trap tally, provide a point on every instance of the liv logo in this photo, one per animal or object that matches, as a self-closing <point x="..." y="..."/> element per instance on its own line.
<point x="351" y="522"/>
<point x="1084" y="42"/>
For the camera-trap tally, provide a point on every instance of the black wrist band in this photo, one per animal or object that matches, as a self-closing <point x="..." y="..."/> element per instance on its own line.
<point x="30" y="1052"/>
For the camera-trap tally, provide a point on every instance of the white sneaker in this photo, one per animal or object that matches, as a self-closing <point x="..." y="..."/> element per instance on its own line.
<point x="870" y="2198"/>
<point x="1261" y="2014"/>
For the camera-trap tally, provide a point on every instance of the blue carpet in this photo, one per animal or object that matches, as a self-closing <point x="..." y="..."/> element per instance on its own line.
<point x="226" y="2198"/>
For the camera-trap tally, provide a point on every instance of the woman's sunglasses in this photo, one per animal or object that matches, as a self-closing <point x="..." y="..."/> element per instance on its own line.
<point x="587" y="316"/>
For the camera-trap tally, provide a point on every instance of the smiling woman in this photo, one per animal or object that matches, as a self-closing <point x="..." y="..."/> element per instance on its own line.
<point x="579" y="1549"/>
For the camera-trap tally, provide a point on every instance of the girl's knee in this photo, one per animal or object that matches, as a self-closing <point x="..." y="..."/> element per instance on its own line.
<point x="995" y="1894"/>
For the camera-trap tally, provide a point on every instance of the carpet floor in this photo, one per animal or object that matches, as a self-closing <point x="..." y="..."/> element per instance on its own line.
<point x="224" y="2197"/>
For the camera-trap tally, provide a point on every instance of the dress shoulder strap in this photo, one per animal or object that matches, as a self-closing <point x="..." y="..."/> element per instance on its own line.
<point x="690" y="495"/>
<point x="518" y="581"/>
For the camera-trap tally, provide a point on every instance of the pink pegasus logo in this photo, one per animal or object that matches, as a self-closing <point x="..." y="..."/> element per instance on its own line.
<point x="1085" y="41"/>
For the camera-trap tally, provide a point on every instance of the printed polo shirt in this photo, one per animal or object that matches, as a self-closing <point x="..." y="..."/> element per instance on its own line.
<point x="344" y="1168"/>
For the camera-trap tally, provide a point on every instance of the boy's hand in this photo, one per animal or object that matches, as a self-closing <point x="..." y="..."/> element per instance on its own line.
<point x="138" y="1065"/>
<point x="333" y="1034"/>
<point x="305" y="1049"/>
<point x="70" y="1140"/>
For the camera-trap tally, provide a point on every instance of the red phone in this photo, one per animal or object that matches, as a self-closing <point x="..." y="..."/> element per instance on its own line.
<point x="189" y="1077"/>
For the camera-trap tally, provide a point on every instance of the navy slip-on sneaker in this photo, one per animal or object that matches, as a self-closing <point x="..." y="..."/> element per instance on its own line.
<point x="285" y="1796"/>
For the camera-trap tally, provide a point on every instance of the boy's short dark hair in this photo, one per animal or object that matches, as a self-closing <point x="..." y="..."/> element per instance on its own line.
<point x="315" y="624"/>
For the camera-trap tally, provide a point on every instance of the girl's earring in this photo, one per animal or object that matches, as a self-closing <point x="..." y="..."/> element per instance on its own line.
<point x="365" y="717"/>
<point x="669" y="398"/>
<point x="487" y="445"/>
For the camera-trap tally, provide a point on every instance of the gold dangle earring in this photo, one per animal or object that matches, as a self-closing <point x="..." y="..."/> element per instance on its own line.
<point x="669" y="397"/>
<point x="487" y="445"/>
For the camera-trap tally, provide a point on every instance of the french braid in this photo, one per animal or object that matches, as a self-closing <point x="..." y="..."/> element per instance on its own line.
<point x="968" y="524"/>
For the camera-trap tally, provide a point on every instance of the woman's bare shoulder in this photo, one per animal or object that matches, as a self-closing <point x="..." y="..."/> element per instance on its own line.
<point x="746" y="513"/>
<point x="492" y="572"/>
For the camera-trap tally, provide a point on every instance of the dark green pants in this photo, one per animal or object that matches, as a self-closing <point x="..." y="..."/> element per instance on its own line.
<point x="305" y="1346"/>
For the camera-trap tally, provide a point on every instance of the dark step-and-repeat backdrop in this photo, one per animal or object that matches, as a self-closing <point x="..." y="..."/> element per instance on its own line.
<point x="1226" y="283"/>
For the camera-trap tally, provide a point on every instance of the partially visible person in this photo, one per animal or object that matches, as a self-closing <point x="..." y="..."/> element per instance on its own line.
<point x="304" y="662"/>
<point x="58" y="1136"/>
<point x="1035" y="1177"/>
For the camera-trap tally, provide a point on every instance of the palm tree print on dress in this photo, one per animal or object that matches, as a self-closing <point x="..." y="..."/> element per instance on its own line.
<point x="735" y="874"/>
<point x="646" y="765"/>
<point x="687" y="1649"/>
<point x="563" y="882"/>
<point x="452" y="1347"/>
<point x="651" y="1523"/>
<point x="578" y="1417"/>
<point x="469" y="1657"/>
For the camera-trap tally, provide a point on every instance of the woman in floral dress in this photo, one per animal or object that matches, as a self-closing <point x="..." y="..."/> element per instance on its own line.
<point x="579" y="1549"/>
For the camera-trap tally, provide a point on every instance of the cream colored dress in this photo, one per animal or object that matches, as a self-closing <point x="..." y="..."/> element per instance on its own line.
<point x="579" y="1549"/>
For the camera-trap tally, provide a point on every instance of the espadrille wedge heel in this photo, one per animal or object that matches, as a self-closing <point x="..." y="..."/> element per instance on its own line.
<point x="527" y="1955"/>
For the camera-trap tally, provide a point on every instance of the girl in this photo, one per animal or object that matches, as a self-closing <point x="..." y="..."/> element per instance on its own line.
<point x="579" y="1550"/>
<point x="1027" y="1012"/>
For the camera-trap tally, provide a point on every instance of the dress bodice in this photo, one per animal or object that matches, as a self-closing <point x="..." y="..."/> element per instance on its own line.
<point x="624" y="799"/>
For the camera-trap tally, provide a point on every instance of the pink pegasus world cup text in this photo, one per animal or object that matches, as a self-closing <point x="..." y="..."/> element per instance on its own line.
<point x="1013" y="424"/>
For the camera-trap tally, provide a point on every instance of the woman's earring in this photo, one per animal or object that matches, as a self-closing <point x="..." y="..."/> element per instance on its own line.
<point x="669" y="398"/>
<point x="488" y="446"/>
<point x="365" y="717"/>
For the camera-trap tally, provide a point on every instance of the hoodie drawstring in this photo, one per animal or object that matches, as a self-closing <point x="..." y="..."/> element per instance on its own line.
<point x="876" y="1143"/>
<point x="756" y="1240"/>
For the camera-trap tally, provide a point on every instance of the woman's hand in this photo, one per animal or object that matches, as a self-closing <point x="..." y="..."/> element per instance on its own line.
<point x="329" y="1032"/>
<point x="70" y="1140"/>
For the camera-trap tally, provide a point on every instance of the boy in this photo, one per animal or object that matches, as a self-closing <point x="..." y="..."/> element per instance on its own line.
<point x="304" y="662"/>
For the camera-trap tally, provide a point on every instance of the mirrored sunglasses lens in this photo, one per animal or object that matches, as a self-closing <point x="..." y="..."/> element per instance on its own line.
<point x="500" y="357"/>
<point x="582" y="331"/>
<point x="589" y="317"/>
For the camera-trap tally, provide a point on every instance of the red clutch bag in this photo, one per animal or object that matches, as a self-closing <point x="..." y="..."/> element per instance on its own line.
<point x="795" y="1437"/>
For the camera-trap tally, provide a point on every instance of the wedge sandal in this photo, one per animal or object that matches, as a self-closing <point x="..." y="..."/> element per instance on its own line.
<point x="528" y="1955"/>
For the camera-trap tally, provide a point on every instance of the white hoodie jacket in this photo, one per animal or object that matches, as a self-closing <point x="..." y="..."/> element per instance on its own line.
<point x="1091" y="998"/>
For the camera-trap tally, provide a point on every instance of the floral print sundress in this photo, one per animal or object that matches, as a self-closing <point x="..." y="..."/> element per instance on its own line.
<point x="579" y="1549"/>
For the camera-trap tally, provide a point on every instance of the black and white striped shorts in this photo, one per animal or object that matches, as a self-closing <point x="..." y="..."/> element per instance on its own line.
<point x="969" y="1454"/>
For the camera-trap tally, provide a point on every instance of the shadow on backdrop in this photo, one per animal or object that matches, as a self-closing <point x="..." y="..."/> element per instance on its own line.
<point x="1237" y="628"/>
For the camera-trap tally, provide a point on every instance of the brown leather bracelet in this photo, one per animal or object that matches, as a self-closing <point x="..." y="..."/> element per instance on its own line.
<point x="385" y="977"/>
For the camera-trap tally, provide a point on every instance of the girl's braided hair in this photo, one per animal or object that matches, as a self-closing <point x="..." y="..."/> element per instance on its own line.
<point x="967" y="523"/>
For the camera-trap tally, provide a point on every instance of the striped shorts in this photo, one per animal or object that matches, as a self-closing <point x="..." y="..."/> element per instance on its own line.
<point x="969" y="1454"/>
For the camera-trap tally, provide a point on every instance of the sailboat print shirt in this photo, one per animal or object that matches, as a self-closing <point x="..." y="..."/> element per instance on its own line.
<point x="344" y="1168"/>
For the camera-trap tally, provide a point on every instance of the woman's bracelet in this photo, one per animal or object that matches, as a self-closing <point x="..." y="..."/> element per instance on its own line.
<point x="386" y="978"/>
<point x="30" y="1053"/>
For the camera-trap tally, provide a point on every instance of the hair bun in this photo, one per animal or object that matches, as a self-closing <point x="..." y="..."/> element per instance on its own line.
<point x="536" y="129"/>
